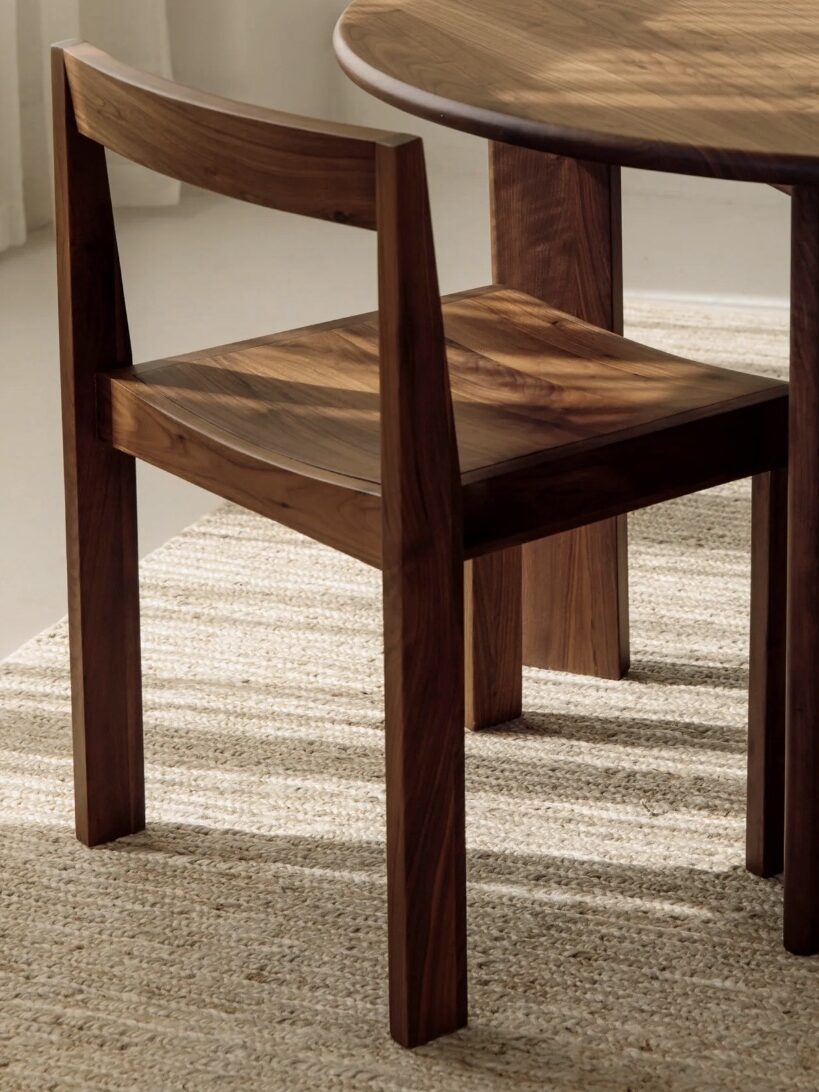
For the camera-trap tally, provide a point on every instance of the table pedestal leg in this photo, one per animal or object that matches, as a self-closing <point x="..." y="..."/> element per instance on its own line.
<point x="575" y="601"/>
<point x="492" y="625"/>
<point x="802" y="758"/>
<point x="556" y="235"/>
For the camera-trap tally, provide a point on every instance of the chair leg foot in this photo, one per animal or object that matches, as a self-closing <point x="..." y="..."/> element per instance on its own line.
<point x="494" y="631"/>
<point x="765" y="832"/>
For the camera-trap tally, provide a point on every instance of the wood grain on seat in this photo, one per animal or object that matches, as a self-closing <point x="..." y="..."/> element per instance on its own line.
<point x="531" y="386"/>
<point x="527" y="382"/>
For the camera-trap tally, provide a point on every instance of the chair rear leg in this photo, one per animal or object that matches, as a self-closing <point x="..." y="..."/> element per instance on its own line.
<point x="106" y="688"/>
<point x="100" y="491"/>
<point x="765" y="832"/>
<point x="424" y="676"/>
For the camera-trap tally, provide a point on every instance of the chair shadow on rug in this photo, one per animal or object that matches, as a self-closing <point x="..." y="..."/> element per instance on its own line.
<point x="663" y="673"/>
<point x="597" y="973"/>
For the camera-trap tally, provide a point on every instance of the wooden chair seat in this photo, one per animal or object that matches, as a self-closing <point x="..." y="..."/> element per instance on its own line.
<point x="530" y="386"/>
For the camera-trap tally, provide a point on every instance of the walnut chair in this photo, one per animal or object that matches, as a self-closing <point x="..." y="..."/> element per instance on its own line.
<point x="430" y="435"/>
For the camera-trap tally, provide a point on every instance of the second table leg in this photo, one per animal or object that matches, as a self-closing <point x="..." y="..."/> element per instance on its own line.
<point x="556" y="235"/>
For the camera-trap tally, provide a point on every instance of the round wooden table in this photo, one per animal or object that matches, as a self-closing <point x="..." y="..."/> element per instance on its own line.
<point x="567" y="94"/>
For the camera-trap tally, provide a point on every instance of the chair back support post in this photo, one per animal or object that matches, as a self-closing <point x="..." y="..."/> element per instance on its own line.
<point x="419" y="459"/>
<point x="91" y="294"/>
<point x="100" y="490"/>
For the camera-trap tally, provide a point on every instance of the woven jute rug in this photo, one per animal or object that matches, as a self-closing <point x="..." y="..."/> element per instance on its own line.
<point x="615" y="940"/>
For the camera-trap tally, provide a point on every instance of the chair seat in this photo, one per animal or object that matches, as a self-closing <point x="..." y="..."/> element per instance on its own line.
<point x="559" y="423"/>
<point x="528" y="382"/>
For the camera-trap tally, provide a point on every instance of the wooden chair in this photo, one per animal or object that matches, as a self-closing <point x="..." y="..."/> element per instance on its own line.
<point x="415" y="440"/>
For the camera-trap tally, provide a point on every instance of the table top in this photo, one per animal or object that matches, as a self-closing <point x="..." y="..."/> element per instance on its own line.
<point x="726" y="88"/>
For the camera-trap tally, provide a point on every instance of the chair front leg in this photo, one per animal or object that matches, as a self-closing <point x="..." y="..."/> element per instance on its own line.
<point x="424" y="677"/>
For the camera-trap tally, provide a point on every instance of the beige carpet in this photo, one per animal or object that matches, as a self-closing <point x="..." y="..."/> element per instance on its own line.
<point x="615" y="940"/>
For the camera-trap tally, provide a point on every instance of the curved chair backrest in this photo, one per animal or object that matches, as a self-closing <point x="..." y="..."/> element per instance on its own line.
<point x="362" y="177"/>
<point x="262" y="156"/>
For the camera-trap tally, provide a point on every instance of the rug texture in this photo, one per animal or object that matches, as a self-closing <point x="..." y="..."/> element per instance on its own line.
<point x="615" y="940"/>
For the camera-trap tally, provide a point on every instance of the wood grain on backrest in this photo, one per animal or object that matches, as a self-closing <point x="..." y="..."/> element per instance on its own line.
<point x="279" y="160"/>
<point x="357" y="176"/>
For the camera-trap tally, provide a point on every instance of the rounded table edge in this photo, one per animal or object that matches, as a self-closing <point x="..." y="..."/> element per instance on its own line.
<point x="661" y="156"/>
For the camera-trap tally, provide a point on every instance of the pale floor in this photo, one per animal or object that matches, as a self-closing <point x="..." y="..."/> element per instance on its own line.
<point x="212" y="271"/>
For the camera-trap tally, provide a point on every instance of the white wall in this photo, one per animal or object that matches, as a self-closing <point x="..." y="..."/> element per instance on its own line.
<point x="275" y="53"/>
